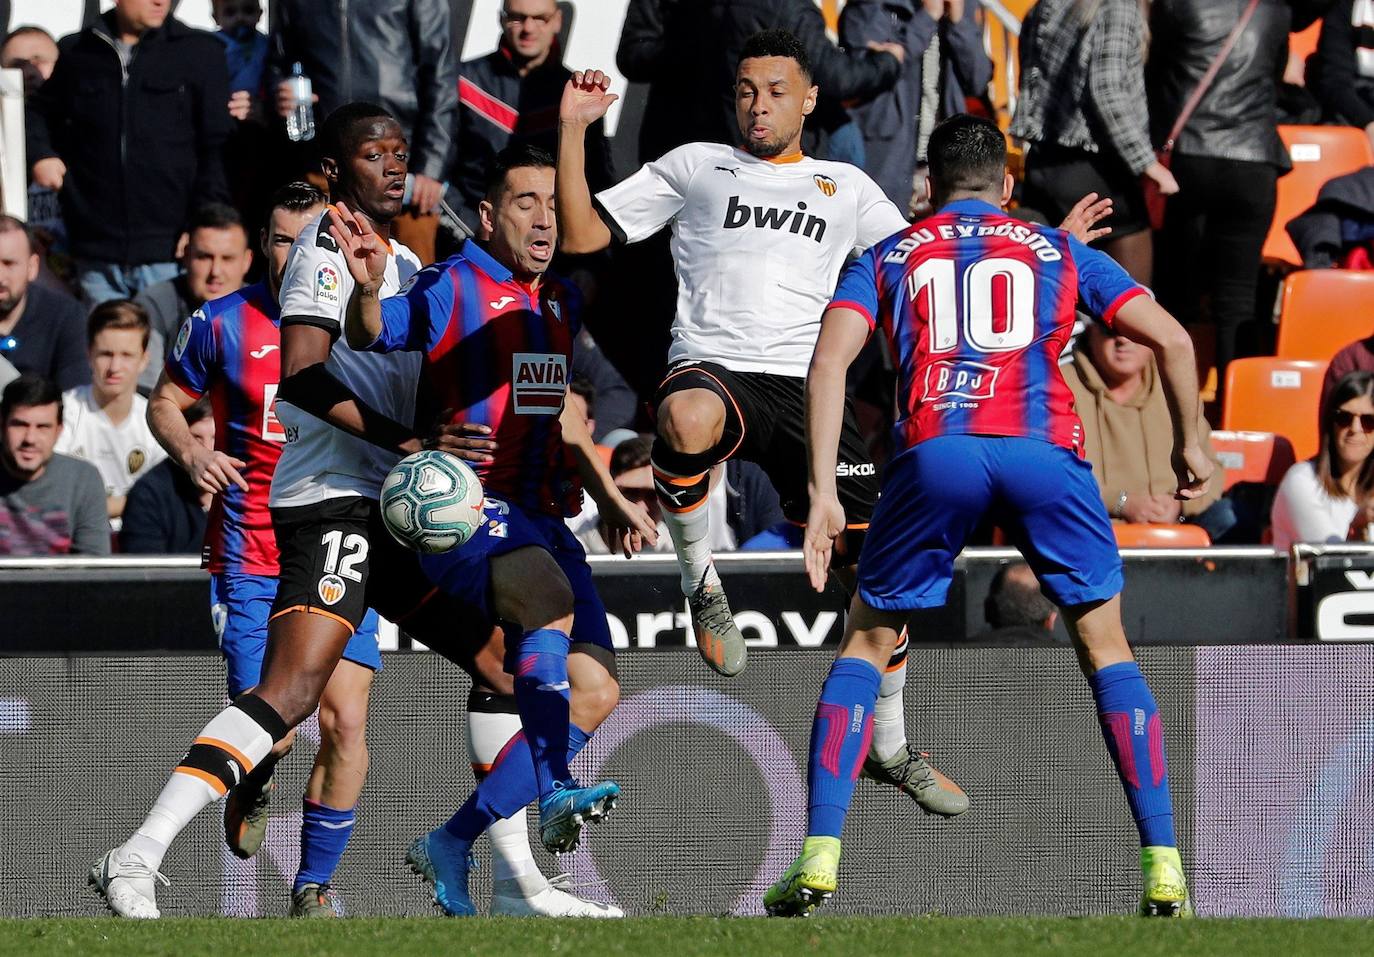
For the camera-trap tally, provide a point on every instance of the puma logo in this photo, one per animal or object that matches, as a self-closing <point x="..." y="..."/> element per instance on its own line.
<point x="263" y="352"/>
<point x="732" y="170"/>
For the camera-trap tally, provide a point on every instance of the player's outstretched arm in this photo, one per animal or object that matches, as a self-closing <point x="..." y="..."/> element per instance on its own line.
<point x="212" y="471"/>
<point x="585" y="100"/>
<point x="1081" y="221"/>
<point x="843" y="333"/>
<point x="366" y="257"/>
<point x="628" y="521"/>
<point x="1144" y="321"/>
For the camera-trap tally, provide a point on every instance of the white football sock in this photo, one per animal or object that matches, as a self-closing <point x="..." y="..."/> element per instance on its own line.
<point x="690" y="531"/>
<point x="889" y="716"/>
<point x="511" y="858"/>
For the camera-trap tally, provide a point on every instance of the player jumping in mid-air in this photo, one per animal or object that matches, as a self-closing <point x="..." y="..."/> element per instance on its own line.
<point x="496" y="332"/>
<point x="345" y="418"/>
<point x="977" y="308"/>
<point x="229" y="348"/>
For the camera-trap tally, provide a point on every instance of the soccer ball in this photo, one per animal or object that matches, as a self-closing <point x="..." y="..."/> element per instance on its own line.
<point x="432" y="502"/>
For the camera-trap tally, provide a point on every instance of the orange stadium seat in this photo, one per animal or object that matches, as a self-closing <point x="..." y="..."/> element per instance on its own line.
<point x="1259" y="457"/>
<point x="605" y="451"/>
<point x="1304" y="43"/>
<point x="1319" y="153"/>
<point x="1275" y="395"/>
<point x="1323" y="310"/>
<point x="1129" y="535"/>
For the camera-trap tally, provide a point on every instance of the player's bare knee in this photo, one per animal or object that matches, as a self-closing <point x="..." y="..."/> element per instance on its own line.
<point x="690" y="424"/>
<point x="343" y="726"/>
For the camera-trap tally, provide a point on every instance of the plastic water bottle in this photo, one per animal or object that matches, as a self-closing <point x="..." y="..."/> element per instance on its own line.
<point x="300" y="122"/>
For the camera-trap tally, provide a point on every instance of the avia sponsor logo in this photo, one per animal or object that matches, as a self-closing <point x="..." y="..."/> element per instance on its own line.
<point x="795" y="221"/>
<point x="855" y="469"/>
<point x="539" y="380"/>
<point x="272" y="429"/>
<point x="968" y="380"/>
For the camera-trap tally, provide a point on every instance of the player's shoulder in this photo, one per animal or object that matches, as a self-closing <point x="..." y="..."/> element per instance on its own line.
<point x="406" y="260"/>
<point x="563" y="292"/>
<point x="698" y="153"/>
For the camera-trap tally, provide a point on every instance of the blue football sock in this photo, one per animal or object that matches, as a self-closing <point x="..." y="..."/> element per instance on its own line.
<point x="324" y="835"/>
<point x="508" y="787"/>
<point x="840" y="736"/>
<point x="1135" y="739"/>
<point x="542" y="696"/>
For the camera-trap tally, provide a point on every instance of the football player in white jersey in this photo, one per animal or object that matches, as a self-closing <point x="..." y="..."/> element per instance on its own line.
<point x="347" y="417"/>
<point x="759" y="235"/>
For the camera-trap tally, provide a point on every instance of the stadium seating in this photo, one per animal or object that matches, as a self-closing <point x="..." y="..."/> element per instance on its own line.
<point x="1130" y="535"/>
<point x="1319" y="153"/>
<point x="1275" y="395"/>
<point x="1323" y="310"/>
<point x="1259" y="457"/>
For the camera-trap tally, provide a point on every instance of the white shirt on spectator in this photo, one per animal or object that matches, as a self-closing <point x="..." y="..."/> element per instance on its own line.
<point x="121" y="453"/>
<point x="1304" y="512"/>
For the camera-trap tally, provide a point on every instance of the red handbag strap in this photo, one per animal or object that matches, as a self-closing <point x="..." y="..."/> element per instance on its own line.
<point x="1212" y="70"/>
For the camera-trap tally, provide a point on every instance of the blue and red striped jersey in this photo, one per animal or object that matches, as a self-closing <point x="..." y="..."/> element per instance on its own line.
<point x="230" y="348"/>
<point x="977" y="308"/>
<point x="497" y="352"/>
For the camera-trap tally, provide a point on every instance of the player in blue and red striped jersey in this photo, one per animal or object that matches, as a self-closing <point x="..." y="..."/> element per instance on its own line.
<point x="496" y="334"/>
<point x="977" y="307"/>
<point x="230" y="350"/>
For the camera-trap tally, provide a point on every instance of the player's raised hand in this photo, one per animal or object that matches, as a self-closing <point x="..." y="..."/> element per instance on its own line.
<point x="626" y="525"/>
<point x="363" y="250"/>
<point x="214" y="471"/>
<point x="467" y="440"/>
<point x="824" y="524"/>
<point x="1193" y="469"/>
<point x="1081" y="221"/>
<point x="585" y="98"/>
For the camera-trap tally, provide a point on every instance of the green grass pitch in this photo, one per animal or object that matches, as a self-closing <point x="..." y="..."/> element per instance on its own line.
<point x="670" y="937"/>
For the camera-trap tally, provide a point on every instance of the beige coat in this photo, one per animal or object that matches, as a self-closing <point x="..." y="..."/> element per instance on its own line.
<point x="1130" y="445"/>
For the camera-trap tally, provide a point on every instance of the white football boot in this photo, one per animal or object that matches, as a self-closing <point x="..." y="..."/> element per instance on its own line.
<point x="533" y="896"/>
<point x="127" y="884"/>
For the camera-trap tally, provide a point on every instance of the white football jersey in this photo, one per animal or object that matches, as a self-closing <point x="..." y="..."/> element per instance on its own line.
<point x="320" y="461"/>
<point x="758" y="247"/>
<point x="121" y="453"/>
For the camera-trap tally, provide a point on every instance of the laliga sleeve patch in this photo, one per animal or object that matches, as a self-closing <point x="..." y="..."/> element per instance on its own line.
<point x="327" y="285"/>
<point x="184" y="336"/>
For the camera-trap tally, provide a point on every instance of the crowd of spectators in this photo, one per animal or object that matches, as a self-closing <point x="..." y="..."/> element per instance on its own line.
<point x="152" y="147"/>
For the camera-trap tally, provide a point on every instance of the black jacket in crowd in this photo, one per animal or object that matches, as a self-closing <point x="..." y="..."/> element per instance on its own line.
<point x="1237" y="118"/>
<point x="496" y="107"/>
<point x="689" y="49"/>
<point x="142" y="146"/>
<point x="395" y="53"/>
<point x="1346" y="93"/>
<point x="163" y="515"/>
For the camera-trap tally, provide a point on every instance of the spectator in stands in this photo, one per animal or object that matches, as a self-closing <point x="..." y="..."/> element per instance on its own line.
<point x="615" y="402"/>
<point x="1127" y="431"/>
<point x="130" y="128"/>
<point x="49" y="504"/>
<point x="396" y="53"/>
<point x="1356" y="357"/>
<point x="1016" y="611"/>
<point x="511" y="95"/>
<point x="1343" y="67"/>
<point x="754" y="510"/>
<point x="630" y="468"/>
<point x="107" y="421"/>
<point x="1081" y="115"/>
<point x="214" y="263"/>
<point x="166" y="512"/>
<point x="945" y="63"/>
<point x="1330" y="497"/>
<point x="33" y="51"/>
<point x="245" y="51"/>
<point x="1227" y="158"/>
<point x="1338" y="230"/>
<point x="687" y="50"/>
<point x="42" y="331"/>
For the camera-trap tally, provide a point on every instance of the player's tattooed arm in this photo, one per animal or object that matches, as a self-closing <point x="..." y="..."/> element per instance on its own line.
<point x="843" y="334"/>
<point x="212" y="470"/>
<point x="585" y="100"/>
<point x="629" y="522"/>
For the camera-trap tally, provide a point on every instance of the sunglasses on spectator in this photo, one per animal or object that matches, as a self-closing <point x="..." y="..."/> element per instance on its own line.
<point x="1345" y="420"/>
